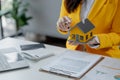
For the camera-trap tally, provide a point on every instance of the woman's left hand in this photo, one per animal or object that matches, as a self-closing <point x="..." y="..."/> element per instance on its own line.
<point x="94" y="42"/>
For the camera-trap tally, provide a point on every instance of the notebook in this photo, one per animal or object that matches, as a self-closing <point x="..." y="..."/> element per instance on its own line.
<point x="107" y="69"/>
<point x="72" y="63"/>
<point x="11" y="59"/>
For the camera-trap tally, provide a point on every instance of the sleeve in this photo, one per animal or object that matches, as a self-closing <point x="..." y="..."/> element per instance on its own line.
<point x="63" y="13"/>
<point x="112" y="38"/>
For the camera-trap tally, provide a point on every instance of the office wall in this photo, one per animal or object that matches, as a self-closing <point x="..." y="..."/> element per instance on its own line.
<point x="45" y="14"/>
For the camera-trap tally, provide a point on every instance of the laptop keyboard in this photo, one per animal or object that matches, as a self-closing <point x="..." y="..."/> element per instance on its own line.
<point x="3" y="63"/>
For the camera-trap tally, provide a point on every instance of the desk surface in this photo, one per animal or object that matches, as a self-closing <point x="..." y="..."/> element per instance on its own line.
<point x="33" y="72"/>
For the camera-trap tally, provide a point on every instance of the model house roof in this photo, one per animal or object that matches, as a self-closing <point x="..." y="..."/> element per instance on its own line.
<point x="86" y="26"/>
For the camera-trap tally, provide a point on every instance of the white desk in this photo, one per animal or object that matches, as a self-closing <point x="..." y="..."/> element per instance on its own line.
<point x="33" y="72"/>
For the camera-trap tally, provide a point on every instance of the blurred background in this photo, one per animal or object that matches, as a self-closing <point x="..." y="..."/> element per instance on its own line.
<point x="33" y="20"/>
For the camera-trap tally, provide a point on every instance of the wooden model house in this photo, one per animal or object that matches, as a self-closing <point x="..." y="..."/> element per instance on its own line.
<point x="82" y="32"/>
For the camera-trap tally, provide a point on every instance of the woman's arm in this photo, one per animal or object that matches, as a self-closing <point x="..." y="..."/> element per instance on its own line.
<point x="113" y="38"/>
<point x="63" y="13"/>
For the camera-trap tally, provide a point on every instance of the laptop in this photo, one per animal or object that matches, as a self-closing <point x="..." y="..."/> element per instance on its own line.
<point x="11" y="59"/>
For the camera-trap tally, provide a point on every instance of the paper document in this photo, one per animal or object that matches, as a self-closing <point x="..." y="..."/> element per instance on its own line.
<point x="107" y="69"/>
<point x="72" y="63"/>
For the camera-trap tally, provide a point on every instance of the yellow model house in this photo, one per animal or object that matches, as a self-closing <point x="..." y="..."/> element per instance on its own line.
<point x="82" y="32"/>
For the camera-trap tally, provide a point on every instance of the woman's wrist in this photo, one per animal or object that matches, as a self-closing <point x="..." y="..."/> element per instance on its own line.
<point x="94" y="43"/>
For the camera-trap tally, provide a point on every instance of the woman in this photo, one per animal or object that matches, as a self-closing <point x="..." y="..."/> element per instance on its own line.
<point x="104" y="14"/>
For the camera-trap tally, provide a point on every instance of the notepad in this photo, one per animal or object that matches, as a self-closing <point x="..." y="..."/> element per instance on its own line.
<point x="37" y="54"/>
<point x="72" y="63"/>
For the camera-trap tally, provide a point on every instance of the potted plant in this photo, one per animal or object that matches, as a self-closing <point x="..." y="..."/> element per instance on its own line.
<point x="18" y="13"/>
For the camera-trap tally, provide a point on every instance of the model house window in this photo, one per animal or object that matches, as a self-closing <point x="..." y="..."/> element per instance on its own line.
<point x="91" y="34"/>
<point x="81" y="38"/>
<point x="86" y="37"/>
<point x="77" y="38"/>
<point x="73" y="36"/>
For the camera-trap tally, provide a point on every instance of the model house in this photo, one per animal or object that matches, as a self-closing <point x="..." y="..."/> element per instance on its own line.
<point x="83" y="32"/>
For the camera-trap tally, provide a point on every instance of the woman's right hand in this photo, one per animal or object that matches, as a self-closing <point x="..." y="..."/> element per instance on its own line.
<point x="64" y="23"/>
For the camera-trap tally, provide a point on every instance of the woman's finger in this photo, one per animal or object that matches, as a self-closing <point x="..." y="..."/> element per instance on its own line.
<point x="67" y="19"/>
<point x="63" y="24"/>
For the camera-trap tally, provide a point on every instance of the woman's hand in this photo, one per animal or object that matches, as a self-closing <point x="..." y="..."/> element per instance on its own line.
<point x="64" y="23"/>
<point x="94" y="43"/>
<point x="80" y="46"/>
<point x="73" y="43"/>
